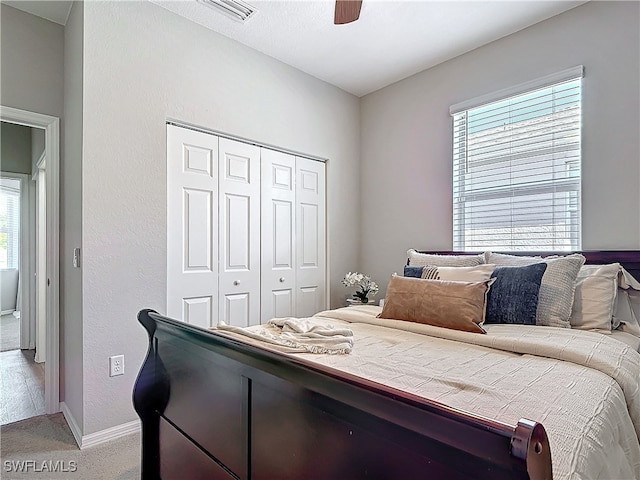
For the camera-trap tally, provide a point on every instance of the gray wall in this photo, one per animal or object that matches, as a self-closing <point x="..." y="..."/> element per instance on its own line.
<point x="32" y="55"/>
<point x="407" y="130"/>
<point x="160" y="66"/>
<point x="15" y="148"/>
<point x="71" y="337"/>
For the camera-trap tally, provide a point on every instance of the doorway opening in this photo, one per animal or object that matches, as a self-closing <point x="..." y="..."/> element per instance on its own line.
<point x="37" y="290"/>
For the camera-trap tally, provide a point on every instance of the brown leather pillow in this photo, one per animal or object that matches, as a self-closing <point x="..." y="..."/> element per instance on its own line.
<point x="456" y="305"/>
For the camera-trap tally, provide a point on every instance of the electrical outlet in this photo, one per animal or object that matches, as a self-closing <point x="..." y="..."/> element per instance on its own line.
<point x="116" y="365"/>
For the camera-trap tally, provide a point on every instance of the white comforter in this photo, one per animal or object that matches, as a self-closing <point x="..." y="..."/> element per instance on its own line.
<point x="582" y="386"/>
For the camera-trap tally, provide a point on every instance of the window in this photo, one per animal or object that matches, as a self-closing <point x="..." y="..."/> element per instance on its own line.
<point x="9" y="223"/>
<point x="516" y="167"/>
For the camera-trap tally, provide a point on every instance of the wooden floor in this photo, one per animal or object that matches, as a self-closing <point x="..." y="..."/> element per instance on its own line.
<point x="21" y="386"/>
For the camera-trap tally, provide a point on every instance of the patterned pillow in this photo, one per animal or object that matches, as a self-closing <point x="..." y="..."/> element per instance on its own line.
<point x="422" y="259"/>
<point x="455" y="305"/>
<point x="513" y="297"/>
<point x="555" y="298"/>
<point x="452" y="274"/>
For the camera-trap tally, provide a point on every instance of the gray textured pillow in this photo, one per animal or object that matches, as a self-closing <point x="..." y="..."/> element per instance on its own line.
<point x="555" y="298"/>
<point x="417" y="259"/>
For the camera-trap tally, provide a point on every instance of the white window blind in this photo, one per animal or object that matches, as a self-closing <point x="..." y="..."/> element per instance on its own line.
<point x="517" y="170"/>
<point x="10" y="224"/>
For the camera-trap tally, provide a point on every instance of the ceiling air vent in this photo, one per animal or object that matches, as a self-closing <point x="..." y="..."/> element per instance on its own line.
<point x="235" y="9"/>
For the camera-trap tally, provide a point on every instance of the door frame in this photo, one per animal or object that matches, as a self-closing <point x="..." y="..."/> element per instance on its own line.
<point x="51" y="125"/>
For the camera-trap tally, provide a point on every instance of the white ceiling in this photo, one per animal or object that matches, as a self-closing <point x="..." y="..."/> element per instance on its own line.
<point x="391" y="41"/>
<point x="53" y="10"/>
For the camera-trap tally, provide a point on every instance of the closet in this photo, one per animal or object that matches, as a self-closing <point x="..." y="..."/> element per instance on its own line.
<point x="246" y="228"/>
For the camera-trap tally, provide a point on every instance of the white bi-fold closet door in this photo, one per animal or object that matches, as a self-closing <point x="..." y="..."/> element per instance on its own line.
<point x="245" y="231"/>
<point x="192" y="226"/>
<point x="293" y="246"/>
<point x="239" y="233"/>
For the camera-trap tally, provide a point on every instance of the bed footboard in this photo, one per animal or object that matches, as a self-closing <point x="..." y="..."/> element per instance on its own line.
<point x="212" y="407"/>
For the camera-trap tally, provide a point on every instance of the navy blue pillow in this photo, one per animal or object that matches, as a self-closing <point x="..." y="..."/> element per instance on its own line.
<point x="513" y="296"/>
<point x="415" y="272"/>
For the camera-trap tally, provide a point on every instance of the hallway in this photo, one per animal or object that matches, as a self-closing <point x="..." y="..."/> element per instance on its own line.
<point x="21" y="386"/>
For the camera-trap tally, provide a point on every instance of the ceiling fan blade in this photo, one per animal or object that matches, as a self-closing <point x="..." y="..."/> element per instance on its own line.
<point x="347" y="11"/>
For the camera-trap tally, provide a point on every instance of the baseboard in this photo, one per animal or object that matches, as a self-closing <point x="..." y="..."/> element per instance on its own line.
<point x="93" y="439"/>
<point x="110" y="434"/>
<point x="73" y="425"/>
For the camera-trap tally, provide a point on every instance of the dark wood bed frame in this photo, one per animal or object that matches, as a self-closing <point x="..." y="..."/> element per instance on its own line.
<point x="213" y="407"/>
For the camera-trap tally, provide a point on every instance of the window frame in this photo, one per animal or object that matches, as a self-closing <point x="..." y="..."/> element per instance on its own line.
<point x="12" y="231"/>
<point x="460" y="148"/>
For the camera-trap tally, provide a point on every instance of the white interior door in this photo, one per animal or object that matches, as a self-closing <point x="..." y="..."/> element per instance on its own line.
<point x="239" y="277"/>
<point x="278" y="219"/>
<point x="192" y="234"/>
<point x="41" y="264"/>
<point x="310" y="237"/>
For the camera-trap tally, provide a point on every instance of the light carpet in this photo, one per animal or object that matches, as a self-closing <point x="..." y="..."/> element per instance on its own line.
<point x="45" y="442"/>
<point x="9" y="333"/>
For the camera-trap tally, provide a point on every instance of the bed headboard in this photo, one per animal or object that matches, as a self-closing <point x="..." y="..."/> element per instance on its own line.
<point x="629" y="259"/>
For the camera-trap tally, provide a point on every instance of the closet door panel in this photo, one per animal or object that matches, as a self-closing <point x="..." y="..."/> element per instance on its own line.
<point x="283" y="305"/>
<point x="310" y="250"/>
<point x="278" y="275"/>
<point x="192" y="217"/>
<point x="239" y="233"/>
<point x="198" y="311"/>
<point x="310" y="237"/>
<point x="237" y="307"/>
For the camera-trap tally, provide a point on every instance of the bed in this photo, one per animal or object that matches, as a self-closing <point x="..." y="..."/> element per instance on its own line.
<point x="216" y="405"/>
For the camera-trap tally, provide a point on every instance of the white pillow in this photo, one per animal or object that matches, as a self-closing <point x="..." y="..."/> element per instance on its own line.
<point x="595" y="297"/>
<point x="481" y="273"/>
<point x="555" y="299"/>
<point x="623" y="314"/>
<point x="627" y="280"/>
<point x="626" y="314"/>
<point x="417" y="259"/>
